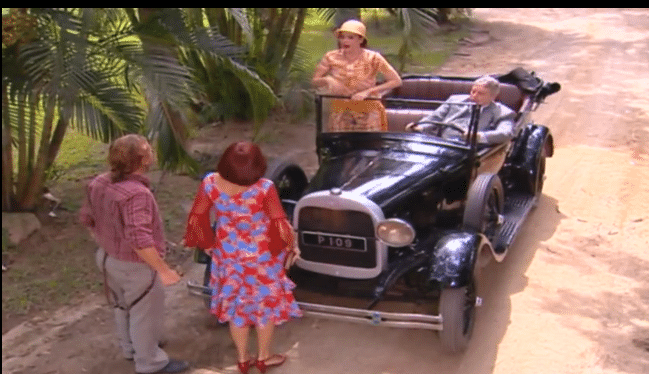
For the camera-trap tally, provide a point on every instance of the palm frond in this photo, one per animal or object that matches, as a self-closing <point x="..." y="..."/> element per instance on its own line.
<point x="171" y="154"/>
<point x="96" y="121"/>
<point x="11" y="110"/>
<point x="326" y="14"/>
<point x="115" y="105"/>
<point x="38" y="61"/>
<point x="417" y="22"/>
<point x="209" y="40"/>
<point x="261" y="94"/>
<point x="241" y="18"/>
<point x="166" y="78"/>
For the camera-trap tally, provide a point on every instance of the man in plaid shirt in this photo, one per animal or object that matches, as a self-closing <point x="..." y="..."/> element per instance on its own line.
<point x="123" y="218"/>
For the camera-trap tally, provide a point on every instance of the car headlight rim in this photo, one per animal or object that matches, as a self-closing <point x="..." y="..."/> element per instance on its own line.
<point x="395" y="232"/>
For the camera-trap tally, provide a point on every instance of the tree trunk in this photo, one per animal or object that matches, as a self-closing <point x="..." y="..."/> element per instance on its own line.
<point x="290" y="49"/>
<point x="57" y="140"/>
<point x="34" y="190"/>
<point x="344" y="14"/>
<point x="273" y="50"/>
<point x="7" y="162"/>
<point x="176" y="124"/>
<point x="22" y="148"/>
<point x="31" y="139"/>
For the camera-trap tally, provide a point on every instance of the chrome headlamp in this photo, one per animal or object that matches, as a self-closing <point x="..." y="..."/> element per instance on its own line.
<point x="395" y="232"/>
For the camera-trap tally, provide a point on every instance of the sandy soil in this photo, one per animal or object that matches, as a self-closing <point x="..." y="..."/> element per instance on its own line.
<point x="571" y="297"/>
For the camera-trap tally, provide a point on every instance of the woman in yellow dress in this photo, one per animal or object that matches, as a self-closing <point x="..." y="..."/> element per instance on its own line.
<point x="351" y="70"/>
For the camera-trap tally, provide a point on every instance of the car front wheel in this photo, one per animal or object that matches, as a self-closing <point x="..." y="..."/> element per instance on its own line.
<point x="457" y="308"/>
<point x="484" y="206"/>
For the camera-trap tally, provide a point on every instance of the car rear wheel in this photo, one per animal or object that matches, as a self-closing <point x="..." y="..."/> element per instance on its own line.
<point x="484" y="205"/>
<point x="457" y="308"/>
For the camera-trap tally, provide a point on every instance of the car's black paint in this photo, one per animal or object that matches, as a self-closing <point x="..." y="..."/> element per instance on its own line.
<point x="454" y="258"/>
<point x="387" y="168"/>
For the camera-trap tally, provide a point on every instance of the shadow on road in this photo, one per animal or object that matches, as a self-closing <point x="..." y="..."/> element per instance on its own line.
<point x="502" y="280"/>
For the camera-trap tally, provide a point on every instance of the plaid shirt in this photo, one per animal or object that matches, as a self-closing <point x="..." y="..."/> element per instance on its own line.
<point x="123" y="216"/>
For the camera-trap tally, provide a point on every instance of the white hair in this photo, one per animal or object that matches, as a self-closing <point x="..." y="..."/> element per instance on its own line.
<point x="490" y="82"/>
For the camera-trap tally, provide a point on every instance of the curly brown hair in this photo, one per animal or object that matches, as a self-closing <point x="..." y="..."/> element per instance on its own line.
<point x="126" y="155"/>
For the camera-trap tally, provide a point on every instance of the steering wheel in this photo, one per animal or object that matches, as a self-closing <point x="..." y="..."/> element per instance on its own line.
<point x="441" y="126"/>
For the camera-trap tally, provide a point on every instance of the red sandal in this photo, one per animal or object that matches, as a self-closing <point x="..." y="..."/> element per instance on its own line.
<point x="262" y="365"/>
<point x="245" y="366"/>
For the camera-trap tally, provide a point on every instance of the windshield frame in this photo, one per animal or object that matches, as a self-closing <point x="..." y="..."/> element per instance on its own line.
<point x="406" y="103"/>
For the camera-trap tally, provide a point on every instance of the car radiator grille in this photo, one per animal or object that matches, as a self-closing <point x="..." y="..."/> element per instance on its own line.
<point x="337" y="237"/>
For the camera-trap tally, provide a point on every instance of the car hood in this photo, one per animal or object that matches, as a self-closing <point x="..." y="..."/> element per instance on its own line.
<point x="389" y="174"/>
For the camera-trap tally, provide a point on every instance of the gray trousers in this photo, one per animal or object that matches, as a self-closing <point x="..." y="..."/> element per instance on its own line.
<point x="140" y="326"/>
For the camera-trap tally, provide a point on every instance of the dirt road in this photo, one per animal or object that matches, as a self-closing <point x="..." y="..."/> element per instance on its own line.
<point x="571" y="297"/>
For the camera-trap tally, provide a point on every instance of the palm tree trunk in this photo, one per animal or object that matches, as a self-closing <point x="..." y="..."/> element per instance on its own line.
<point x="7" y="163"/>
<point x="176" y="124"/>
<point x="22" y="147"/>
<point x="274" y="35"/>
<point x="344" y="14"/>
<point x="31" y="139"/>
<point x="290" y="49"/>
<point x="57" y="140"/>
<point x="34" y="190"/>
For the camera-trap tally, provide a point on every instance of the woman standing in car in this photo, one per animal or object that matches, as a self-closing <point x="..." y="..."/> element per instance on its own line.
<point x="351" y="70"/>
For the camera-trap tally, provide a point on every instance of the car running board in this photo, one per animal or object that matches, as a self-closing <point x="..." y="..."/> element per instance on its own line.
<point x="516" y="209"/>
<point x="364" y="316"/>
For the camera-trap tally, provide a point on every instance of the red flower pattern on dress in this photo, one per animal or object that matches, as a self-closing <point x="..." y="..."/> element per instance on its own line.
<point x="249" y="285"/>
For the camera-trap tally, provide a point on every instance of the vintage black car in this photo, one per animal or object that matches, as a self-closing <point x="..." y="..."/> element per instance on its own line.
<point x="420" y="210"/>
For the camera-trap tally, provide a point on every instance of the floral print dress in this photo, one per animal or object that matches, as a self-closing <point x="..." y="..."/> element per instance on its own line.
<point x="249" y="284"/>
<point x="351" y="115"/>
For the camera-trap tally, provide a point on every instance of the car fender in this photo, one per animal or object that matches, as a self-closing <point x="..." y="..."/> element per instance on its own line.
<point x="539" y="141"/>
<point x="539" y="145"/>
<point x="521" y="163"/>
<point x="527" y="143"/>
<point x="289" y="180"/>
<point x="280" y="167"/>
<point x="454" y="258"/>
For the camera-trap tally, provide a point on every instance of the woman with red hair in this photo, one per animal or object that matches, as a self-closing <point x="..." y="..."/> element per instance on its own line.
<point x="248" y="281"/>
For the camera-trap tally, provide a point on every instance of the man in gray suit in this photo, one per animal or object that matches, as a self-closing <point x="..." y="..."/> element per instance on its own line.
<point x="496" y="124"/>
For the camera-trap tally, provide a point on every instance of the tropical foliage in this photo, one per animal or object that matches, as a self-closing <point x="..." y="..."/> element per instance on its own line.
<point x="270" y="36"/>
<point x="54" y="75"/>
<point x="106" y="72"/>
<point x="413" y="25"/>
<point x="155" y="71"/>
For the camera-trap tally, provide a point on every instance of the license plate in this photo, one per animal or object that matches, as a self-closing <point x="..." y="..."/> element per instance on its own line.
<point x="344" y="242"/>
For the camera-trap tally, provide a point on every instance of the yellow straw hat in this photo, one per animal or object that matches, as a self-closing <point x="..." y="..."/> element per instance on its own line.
<point x="353" y="26"/>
